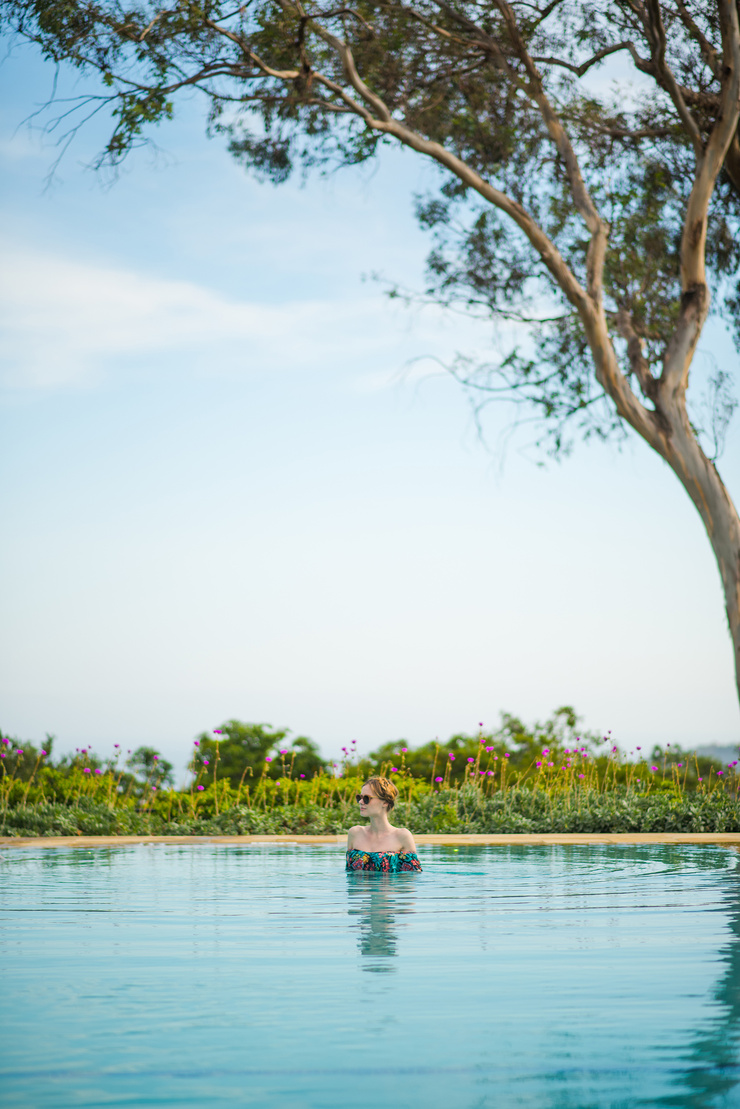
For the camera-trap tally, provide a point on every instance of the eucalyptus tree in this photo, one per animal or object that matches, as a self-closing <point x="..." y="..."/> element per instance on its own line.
<point x="595" y="217"/>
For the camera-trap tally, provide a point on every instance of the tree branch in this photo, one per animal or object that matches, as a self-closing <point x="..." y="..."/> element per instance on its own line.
<point x="666" y="77"/>
<point x="579" y="70"/>
<point x="695" y="294"/>
<point x="710" y="55"/>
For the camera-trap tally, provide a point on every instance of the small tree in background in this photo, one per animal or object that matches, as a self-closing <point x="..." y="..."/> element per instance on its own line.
<point x="242" y="747"/>
<point x="147" y="765"/>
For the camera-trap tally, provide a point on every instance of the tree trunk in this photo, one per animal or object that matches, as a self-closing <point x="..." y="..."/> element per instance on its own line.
<point x="699" y="477"/>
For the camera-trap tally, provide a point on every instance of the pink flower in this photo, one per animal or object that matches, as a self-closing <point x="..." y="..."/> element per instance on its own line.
<point x="267" y="758"/>
<point x="86" y="770"/>
<point x="471" y="760"/>
<point x="720" y="773"/>
<point x="196" y="743"/>
<point x="206" y="762"/>
<point x="551" y="764"/>
<point x="98" y="770"/>
<point x="653" y="768"/>
<point x="452" y="757"/>
<point x="680" y="764"/>
<point x="277" y="783"/>
<point x="394" y="770"/>
<point x="701" y="779"/>
<point x="507" y="755"/>
<point x="217" y="731"/>
<point x="201" y="787"/>
<point x="489" y="748"/>
<point x="44" y="752"/>
<point x="156" y="758"/>
<point x="154" y="787"/>
<point x="303" y="775"/>
<point x="19" y="752"/>
<point x="438" y="778"/>
<point x="116" y="744"/>
<point x="546" y="751"/>
<point x="284" y="751"/>
<point x="404" y="749"/>
<point x="581" y="775"/>
<point x="538" y="764"/>
<point x="490" y="773"/>
<point x="639" y="748"/>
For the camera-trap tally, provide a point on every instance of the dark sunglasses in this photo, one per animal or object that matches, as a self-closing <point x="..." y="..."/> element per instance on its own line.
<point x="363" y="798"/>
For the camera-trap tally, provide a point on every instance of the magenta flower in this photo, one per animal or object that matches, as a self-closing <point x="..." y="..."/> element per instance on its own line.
<point x="538" y="764"/>
<point x="98" y="770"/>
<point x="116" y="744"/>
<point x="206" y="762"/>
<point x="404" y="749"/>
<point x="507" y="755"/>
<point x="551" y="764"/>
<point x="701" y="779"/>
<point x="19" y="752"/>
<point x="680" y="764"/>
<point x="267" y="758"/>
<point x="196" y="743"/>
<point x="546" y="751"/>
<point x="639" y="748"/>
<point x="217" y="731"/>
<point x="277" y="783"/>
<point x="86" y="770"/>
<point x="489" y="748"/>
<point x="720" y="773"/>
<point x="471" y="760"/>
<point x="581" y="775"/>
<point x="653" y="768"/>
<point x="284" y="751"/>
<point x="201" y="787"/>
<point x="452" y="757"/>
<point x="394" y="770"/>
<point x="44" y="752"/>
<point x="438" y="778"/>
<point x="303" y="775"/>
<point x="154" y="787"/>
<point x="156" y="758"/>
<point x="490" y="773"/>
<point x="2" y="754"/>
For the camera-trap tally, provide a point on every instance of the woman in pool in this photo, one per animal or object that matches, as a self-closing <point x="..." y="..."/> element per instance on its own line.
<point x="380" y="846"/>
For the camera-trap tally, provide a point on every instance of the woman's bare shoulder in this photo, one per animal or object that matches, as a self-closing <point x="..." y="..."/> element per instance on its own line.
<point x="407" y="840"/>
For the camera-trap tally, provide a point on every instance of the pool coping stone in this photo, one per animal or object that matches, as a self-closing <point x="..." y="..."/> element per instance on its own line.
<point x="730" y="839"/>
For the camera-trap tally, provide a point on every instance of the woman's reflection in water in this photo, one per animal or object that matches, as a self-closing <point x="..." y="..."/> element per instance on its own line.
<point x="378" y="900"/>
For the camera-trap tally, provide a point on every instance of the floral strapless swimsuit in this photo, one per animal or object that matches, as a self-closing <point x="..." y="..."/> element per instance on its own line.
<point x="389" y="861"/>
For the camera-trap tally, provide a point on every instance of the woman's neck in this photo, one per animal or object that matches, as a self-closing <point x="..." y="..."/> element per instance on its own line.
<point x="380" y="825"/>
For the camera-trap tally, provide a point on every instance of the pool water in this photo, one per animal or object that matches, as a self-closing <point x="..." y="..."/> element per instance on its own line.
<point x="565" y="977"/>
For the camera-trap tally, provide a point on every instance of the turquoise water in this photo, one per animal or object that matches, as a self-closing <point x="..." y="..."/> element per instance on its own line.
<point x="564" y="977"/>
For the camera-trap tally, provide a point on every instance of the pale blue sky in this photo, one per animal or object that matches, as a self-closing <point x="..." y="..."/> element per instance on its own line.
<point x="227" y="492"/>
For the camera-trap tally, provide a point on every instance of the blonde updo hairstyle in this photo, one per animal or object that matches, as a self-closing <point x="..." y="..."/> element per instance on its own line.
<point x="384" y="789"/>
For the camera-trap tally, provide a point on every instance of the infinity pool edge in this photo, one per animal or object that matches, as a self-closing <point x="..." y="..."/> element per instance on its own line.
<point x="730" y="839"/>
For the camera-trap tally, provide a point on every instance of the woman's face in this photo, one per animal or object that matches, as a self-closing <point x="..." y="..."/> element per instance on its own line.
<point x="369" y="803"/>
